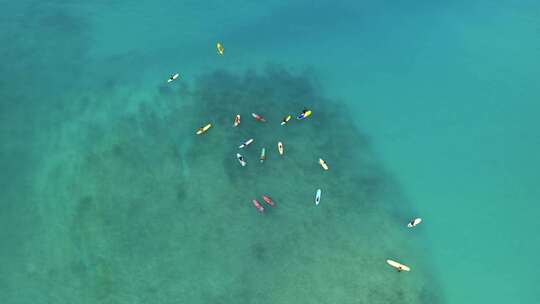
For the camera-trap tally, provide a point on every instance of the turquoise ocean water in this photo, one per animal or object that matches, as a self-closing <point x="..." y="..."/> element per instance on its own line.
<point x="425" y="109"/>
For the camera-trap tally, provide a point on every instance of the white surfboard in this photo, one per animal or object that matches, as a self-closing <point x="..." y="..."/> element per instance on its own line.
<point x="263" y="154"/>
<point x="245" y="144"/>
<point x="280" y="148"/>
<point x="241" y="159"/>
<point x="318" y="197"/>
<point x="414" y="222"/>
<point x="398" y="266"/>
<point x="236" y="120"/>
<point x="173" y="77"/>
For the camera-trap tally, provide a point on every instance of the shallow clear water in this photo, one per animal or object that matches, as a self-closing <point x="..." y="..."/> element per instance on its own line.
<point x="420" y="110"/>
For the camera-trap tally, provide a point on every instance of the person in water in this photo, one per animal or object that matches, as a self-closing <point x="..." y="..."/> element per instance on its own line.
<point x="303" y="114"/>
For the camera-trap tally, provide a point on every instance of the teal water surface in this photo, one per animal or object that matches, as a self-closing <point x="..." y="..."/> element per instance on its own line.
<point x="426" y="109"/>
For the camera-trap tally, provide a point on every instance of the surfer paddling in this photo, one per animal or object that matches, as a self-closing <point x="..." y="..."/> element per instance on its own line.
<point x="241" y="159"/>
<point x="236" y="120"/>
<point x="414" y="222"/>
<point x="220" y="48"/>
<point x="173" y="77"/>
<point x="398" y="266"/>
<point x="285" y="120"/>
<point x="305" y="114"/>
<point x="268" y="200"/>
<point x="258" y="117"/>
<point x="246" y="143"/>
<point x="258" y="205"/>
<point x="263" y="155"/>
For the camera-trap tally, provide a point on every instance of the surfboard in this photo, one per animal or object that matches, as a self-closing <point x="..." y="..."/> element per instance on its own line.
<point x="285" y="120"/>
<point x="258" y="117"/>
<point x="398" y="266"/>
<point x="318" y="197"/>
<point x="263" y="154"/>
<point x="245" y="144"/>
<point x="203" y="129"/>
<point x="241" y="159"/>
<point x="304" y="115"/>
<point x="323" y="164"/>
<point x="236" y="120"/>
<point x="220" y="48"/>
<point x="280" y="148"/>
<point x="414" y="222"/>
<point x="173" y="77"/>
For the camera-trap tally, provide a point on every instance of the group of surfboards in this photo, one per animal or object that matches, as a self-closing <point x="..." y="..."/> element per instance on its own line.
<point x="303" y="115"/>
<point x="281" y="150"/>
<point x="260" y="118"/>
<point x="280" y="147"/>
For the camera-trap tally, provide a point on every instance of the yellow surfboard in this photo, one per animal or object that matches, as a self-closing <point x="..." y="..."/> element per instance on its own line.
<point x="285" y="120"/>
<point x="305" y="114"/>
<point x="220" y="48"/>
<point x="204" y="129"/>
<point x="398" y="266"/>
<point x="323" y="164"/>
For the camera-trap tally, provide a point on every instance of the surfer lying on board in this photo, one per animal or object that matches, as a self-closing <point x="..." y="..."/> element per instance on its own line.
<point x="397" y="266"/>
<point x="305" y="113"/>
